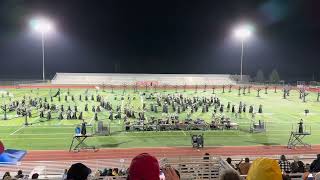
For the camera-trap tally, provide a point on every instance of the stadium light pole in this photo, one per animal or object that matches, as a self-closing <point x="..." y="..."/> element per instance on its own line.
<point x="242" y="33"/>
<point x="42" y="26"/>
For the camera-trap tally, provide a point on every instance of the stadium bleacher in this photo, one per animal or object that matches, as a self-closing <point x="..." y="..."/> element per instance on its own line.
<point x="189" y="167"/>
<point x="133" y="79"/>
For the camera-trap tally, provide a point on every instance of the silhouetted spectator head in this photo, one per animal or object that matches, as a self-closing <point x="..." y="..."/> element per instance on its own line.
<point x="78" y="171"/>
<point x="230" y="174"/>
<point x="19" y="174"/>
<point x="35" y="176"/>
<point x="283" y="158"/>
<point x="229" y="160"/>
<point x="246" y="160"/>
<point x="6" y="174"/>
<point x="144" y="166"/>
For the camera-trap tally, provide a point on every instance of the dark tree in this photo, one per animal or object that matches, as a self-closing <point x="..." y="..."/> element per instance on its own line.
<point x="274" y="76"/>
<point x="260" y="76"/>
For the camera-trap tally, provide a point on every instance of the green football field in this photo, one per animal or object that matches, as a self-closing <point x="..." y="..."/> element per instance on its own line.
<point x="279" y="114"/>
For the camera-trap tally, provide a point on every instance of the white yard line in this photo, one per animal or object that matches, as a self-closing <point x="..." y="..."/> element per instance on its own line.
<point x="42" y="134"/>
<point x="16" y="130"/>
<point x="184" y="133"/>
<point x="91" y="120"/>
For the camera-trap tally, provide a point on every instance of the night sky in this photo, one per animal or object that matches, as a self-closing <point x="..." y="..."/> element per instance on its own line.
<point x="160" y="36"/>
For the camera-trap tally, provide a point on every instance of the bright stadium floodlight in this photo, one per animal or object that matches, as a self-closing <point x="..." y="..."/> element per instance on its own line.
<point x="243" y="33"/>
<point x="43" y="26"/>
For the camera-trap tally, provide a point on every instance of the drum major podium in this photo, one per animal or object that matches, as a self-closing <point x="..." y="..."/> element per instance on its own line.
<point x="296" y="139"/>
<point x="78" y="143"/>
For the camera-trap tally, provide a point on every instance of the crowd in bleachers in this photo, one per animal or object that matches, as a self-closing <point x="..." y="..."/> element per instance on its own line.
<point x="273" y="168"/>
<point x="146" y="167"/>
<point x="19" y="175"/>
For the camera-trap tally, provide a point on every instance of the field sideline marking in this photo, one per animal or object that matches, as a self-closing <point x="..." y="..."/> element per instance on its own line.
<point x="91" y="121"/>
<point x="148" y="136"/>
<point x="17" y="130"/>
<point x="184" y="133"/>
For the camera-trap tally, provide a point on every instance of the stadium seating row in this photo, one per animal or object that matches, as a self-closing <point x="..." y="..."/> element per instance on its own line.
<point x="201" y="167"/>
<point x="141" y="79"/>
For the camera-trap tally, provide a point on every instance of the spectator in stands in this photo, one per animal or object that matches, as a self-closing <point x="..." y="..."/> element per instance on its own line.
<point x="229" y="161"/>
<point x="286" y="177"/>
<point x="307" y="167"/>
<point x="6" y="174"/>
<point x="230" y="174"/>
<point x="317" y="176"/>
<point x="297" y="166"/>
<point x="122" y="172"/>
<point x="64" y="176"/>
<point x="78" y="171"/>
<point x="284" y="164"/>
<point x="206" y="157"/>
<point x="19" y="174"/>
<point x="171" y="173"/>
<point x="264" y="169"/>
<point x="144" y="166"/>
<point x="243" y="167"/>
<point x="35" y="176"/>
<point x="115" y="172"/>
<point x="315" y="165"/>
<point x="109" y="172"/>
<point x="96" y="174"/>
<point x="104" y="172"/>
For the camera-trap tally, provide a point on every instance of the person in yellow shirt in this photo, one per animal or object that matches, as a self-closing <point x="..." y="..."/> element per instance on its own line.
<point x="264" y="169"/>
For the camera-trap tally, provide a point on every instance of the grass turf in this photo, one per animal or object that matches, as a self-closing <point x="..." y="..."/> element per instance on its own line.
<point x="280" y="115"/>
